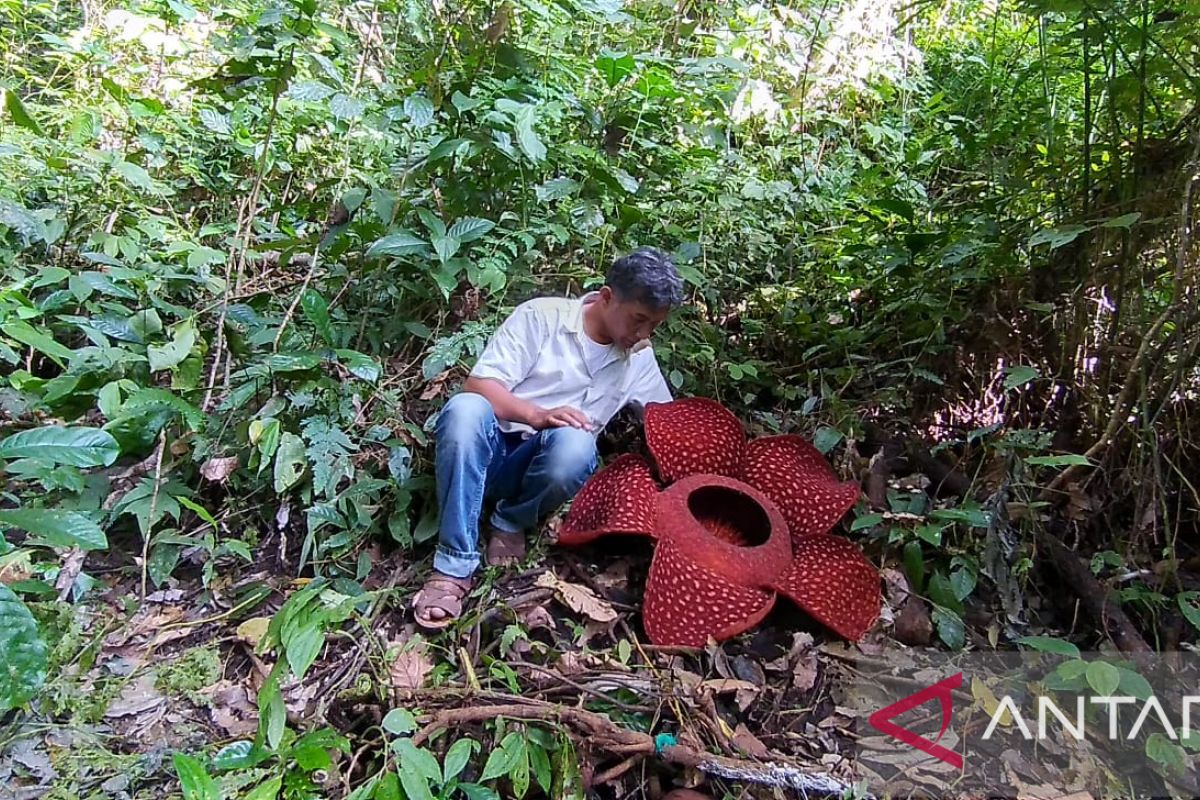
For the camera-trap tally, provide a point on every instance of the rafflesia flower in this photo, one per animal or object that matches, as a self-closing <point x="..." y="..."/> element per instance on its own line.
<point x="736" y="524"/>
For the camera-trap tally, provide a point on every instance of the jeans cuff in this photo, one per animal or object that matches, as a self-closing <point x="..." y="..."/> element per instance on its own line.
<point x="450" y="562"/>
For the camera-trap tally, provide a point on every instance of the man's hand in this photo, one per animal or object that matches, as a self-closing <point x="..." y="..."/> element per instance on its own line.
<point x="560" y="417"/>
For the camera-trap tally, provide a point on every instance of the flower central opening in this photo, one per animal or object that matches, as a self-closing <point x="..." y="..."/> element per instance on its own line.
<point x="730" y="515"/>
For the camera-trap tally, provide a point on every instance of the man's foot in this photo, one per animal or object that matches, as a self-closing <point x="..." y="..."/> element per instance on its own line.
<point x="440" y="601"/>
<point x="504" y="549"/>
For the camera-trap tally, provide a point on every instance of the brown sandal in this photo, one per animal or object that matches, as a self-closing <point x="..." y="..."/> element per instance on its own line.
<point x="505" y="549"/>
<point x="441" y="593"/>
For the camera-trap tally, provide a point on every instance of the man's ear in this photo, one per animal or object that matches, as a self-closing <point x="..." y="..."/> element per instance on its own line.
<point x="606" y="294"/>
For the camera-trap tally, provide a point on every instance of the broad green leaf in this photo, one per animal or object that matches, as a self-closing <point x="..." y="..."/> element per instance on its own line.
<point x="303" y="647"/>
<point x="914" y="565"/>
<point x="445" y="247"/>
<point x="458" y="756"/>
<point x="345" y="107"/>
<point x="1103" y="677"/>
<point x="1189" y="607"/>
<point x="239" y="755"/>
<point x="79" y="447"/>
<point x="418" y="760"/>
<point x="963" y="581"/>
<point x="556" y="189"/>
<point x="292" y="362"/>
<point x="203" y="256"/>
<point x="539" y="759"/>
<point x="627" y="181"/>
<point x="195" y="782"/>
<point x="267" y="790"/>
<point x="942" y="593"/>
<point x="1160" y="749"/>
<point x="827" y="438"/>
<point x="57" y="528"/>
<point x="215" y="121"/>
<point x="431" y="222"/>
<point x="26" y="334"/>
<point x="468" y="229"/>
<point x="136" y="176"/>
<point x="388" y="788"/>
<point x="23" y="653"/>
<point x="1057" y="237"/>
<point x="361" y="366"/>
<point x="20" y="115"/>
<point x="1123" y="221"/>
<point x="18" y="218"/>
<point x="419" y="110"/>
<point x="527" y="138"/>
<point x="950" y="628"/>
<point x="1049" y="644"/>
<point x="866" y="521"/>
<point x="100" y="282"/>
<point x="273" y="712"/>
<point x="504" y="758"/>
<point x="289" y="462"/>
<point x="309" y="91"/>
<point x="615" y="66"/>
<point x="316" y="309"/>
<point x="1134" y="684"/>
<point x="399" y="721"/>
<point x="1018" y="376"/>
<point x="402" y="243"/>
<point x="172" y="354"/>
<point x="416" y="787"/>
<point x="1066" y="459"/>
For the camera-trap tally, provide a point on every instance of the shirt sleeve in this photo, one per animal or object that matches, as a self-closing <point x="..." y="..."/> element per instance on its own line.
<point x="650" y="387"/>
<point x="512" y="351"/>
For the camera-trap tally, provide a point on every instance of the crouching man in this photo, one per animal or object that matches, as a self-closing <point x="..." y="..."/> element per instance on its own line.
<point x="522" y="432"/>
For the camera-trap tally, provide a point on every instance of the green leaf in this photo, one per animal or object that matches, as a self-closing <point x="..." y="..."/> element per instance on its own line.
<point x="289" y="462"/>
<point x="196" y="783"/>
<point x="504" y="758"/>
<point x="431" y="222"/>
<point x="418" y="760"/>
<point x="1103" y="677"/>
<point x="942" y="593"/>
<point x="1160" y="749"/>
<point x="20" y="115"/>
<point x="1123" y="221"/>
<point x="419" y="110"/>
<point x="399" y="721"/>
<point x="309" y="91"/>
<point x="527" y="138"/>
<point x="1018" y="376"/>
<point x="1134" y="685"/>
<point x="57" y="528"/>
<point x="615" y="66"/>
<point x="215" y="121"/>
<point x="402" y="243"/>
<point x="1057" y="237"/>
<point x="963" y="582"/>
<point x="204" y="256"/>
<point x="361" y="366"/>
<point x="866" y="521"/>
<point x="468" y="229"/>
<point x="826" y="438"/>
<point x="914" y="565"/>
<point x="26" y="334"/>
<point x="1189" y="607"/>
<point x="273" y="712"/>
<point x="79" y="447"/>
<point x="415" y="786"/>
<point x="23" y="653"/>
<point x="556" y="189"/>
<point x="1049" y="644"/>
<point x="457" y="757"/>
<point x="345" y="107"/>
<point x="1059" y="461"/>
<point x="445" y="247"/>
<point x="388" y="788"/>
<point x="172" y="354"/>
<point x="950" y="628"/>
<point x="136" y="176"/>
<point x="267" y="790"/>
<point x="540" y="761"/>
<point x="317" y="311"/>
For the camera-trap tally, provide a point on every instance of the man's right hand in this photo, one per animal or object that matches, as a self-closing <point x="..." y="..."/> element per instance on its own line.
<point x="560" y="417"/>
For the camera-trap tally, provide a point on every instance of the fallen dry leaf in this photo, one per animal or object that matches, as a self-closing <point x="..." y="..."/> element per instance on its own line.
<point x="913" y="625"/>
<point x="411" y="665"/>
<point x="232" y="708"/>
<point x="532" y="617"/>
<point x="138" y="697"/>
<point x="804" y="673"/>
<point x="748" y="743"/>
<point x="72" y="566"/>
<point x="579" y="599"/>
<point x="218" y="470"/>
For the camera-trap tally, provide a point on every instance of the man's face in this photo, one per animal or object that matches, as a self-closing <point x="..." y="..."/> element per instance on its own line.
<point x="629" y="322"/>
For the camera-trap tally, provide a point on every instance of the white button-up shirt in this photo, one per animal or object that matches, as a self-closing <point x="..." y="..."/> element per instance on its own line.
<point x="538" y="354"/>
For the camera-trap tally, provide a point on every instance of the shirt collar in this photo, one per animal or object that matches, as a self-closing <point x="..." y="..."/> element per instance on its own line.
<point x="574" y="324"/>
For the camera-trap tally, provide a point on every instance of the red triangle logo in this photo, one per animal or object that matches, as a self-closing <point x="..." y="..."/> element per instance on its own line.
<point x="941" y="691"/>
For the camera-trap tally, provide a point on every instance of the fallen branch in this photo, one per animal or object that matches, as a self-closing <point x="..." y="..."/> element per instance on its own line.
<point x="602" y="734"/>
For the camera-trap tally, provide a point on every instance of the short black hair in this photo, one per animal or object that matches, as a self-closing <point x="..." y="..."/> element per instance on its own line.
<point x="647" y="276"/>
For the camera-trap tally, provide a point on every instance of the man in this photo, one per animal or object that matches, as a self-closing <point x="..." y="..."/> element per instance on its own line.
<point x="523" y="430"/>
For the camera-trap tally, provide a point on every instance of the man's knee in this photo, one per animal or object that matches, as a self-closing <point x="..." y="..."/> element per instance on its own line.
<point x="465" y="416"/>
<point x="571" y="457"/>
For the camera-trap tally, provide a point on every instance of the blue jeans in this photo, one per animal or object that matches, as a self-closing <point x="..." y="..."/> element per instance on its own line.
<point x="475" y="460"/>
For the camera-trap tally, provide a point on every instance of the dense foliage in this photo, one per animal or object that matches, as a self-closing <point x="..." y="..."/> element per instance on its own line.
<point x="247" y="249"/>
